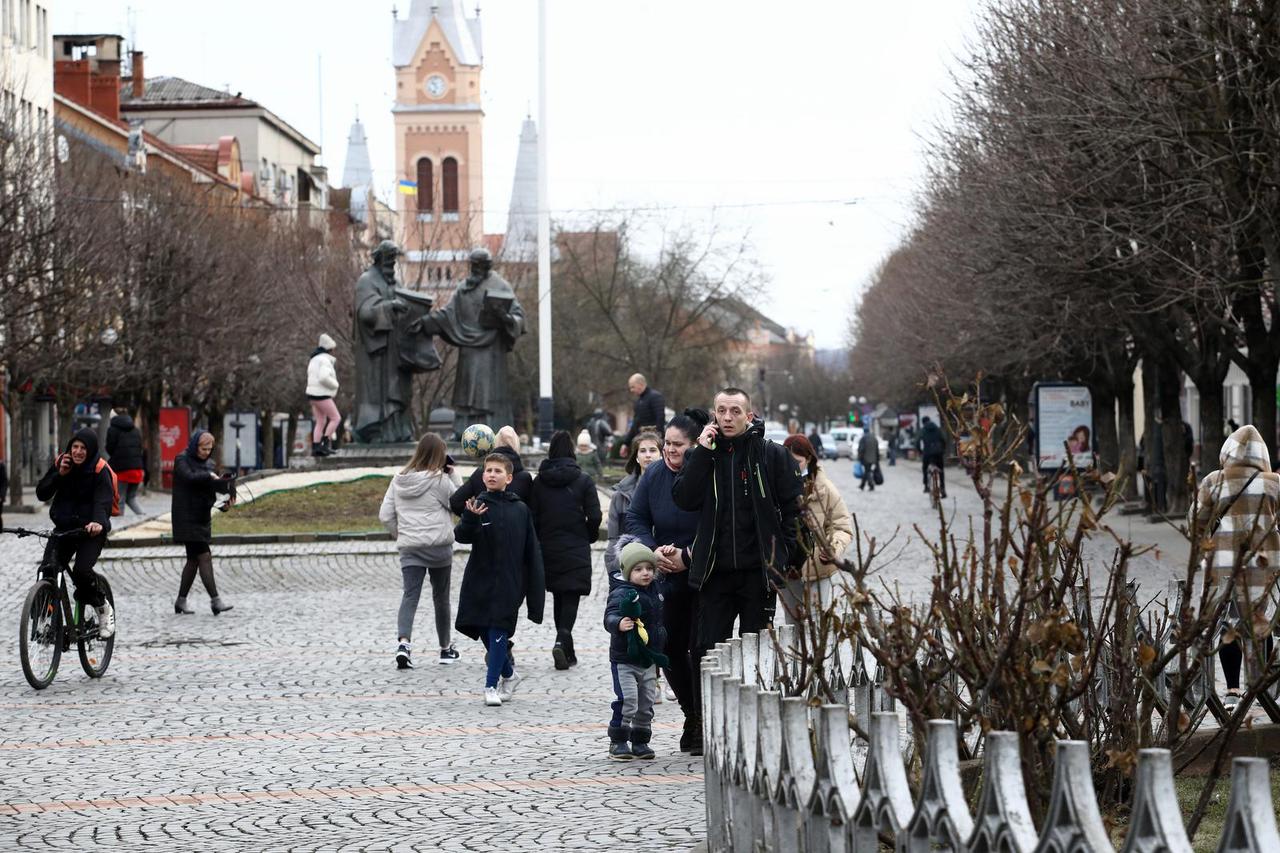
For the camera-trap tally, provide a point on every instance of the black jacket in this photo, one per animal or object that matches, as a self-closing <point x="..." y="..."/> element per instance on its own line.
<point x="504" y="569"/>
<point x="194" y="493"/>
<point x="711" y="482"/>
<point x="650" y="615"/>
<point x="649" y="410"/>
<point x="81" y="495"/>
<point x="566" y="514"/>
<point x="124" y="445"/>
<point x="931" y="441"/>
<point x="521" y="483"/>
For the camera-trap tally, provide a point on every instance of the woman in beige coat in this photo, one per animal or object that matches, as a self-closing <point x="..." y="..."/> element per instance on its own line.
<point x="824" y="511"/>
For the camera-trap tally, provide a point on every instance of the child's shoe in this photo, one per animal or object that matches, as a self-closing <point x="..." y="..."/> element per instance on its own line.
<point x="403" y="658"/>
<point x="449" y="655"/>
<point x="640" y="743"/>
<point x="491" y="697"/>
<point x="619" y="749"/>
<point x="507" y="686"/>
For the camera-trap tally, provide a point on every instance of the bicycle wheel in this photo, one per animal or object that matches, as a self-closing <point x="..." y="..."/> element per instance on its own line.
<point x="95" y="652"/>
<point x="40" y="634"/>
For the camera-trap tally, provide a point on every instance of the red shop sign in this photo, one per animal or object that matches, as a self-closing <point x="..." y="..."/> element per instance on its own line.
<point x="175" y="429"/>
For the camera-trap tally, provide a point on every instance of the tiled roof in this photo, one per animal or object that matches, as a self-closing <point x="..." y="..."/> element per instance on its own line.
<point x="204" y="156"/>
<point x="175" y="90"/>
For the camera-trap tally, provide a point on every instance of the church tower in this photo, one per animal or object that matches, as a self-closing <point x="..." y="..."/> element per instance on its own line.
<point x="438" y="120"/>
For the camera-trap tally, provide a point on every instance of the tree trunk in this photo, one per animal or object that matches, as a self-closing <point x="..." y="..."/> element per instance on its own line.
<point x="291" y="435"/>
<point x="17" y="429"/>
<point x="1104" y="421"/>
<point x="1128" y="443"/>
<point x="1175" y="455"/>
<point x="151" y="399"/>
<point x="1211" y="422"/>
<point x="268" y="439"/>
<point x="1262" y="387"/>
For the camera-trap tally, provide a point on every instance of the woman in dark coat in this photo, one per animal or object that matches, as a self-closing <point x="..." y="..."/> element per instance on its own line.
<point x="195" y="488"/>
<point x="124" y="452"/>
<point x="566" y="514"/>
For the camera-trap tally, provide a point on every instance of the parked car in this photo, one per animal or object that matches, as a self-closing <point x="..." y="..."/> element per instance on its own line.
<point x="829" y="446"/>
<point x="777" y="436"/>
<point x="842" y="440"/>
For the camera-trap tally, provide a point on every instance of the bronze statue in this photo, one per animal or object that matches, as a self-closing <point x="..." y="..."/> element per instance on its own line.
<point x="389" y="349"/>
<point x="483" y="319"/>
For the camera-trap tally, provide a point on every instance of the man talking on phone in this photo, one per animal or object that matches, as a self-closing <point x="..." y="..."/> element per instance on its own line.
<point x="747" y="490"/>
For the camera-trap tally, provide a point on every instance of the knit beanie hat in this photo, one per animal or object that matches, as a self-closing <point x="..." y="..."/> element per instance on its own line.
<point x="327" y="342"/>
<point x="633" y="554"/>
<point x="584" y="441"/>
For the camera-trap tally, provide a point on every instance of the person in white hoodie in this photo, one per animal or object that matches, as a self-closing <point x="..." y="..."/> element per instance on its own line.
<point x="416" y="512"/>
<point x="322" y="387"/>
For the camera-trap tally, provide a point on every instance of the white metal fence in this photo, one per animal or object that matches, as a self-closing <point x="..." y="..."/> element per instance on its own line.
<point x="782" y="775"/>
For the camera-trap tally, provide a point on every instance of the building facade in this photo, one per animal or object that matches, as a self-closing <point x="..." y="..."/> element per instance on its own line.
<point x="439" y="119"/>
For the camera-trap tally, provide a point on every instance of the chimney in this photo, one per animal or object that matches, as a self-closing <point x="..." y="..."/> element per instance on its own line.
<point x="138" y="80"/>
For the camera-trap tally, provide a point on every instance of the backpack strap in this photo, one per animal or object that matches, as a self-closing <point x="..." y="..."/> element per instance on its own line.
<point x="1226" y="509"/>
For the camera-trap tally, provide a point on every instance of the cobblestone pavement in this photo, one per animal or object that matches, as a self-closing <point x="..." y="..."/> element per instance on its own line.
<point x="284" y="725"/>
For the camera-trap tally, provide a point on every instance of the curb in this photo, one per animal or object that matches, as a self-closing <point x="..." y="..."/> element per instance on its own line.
<point x="256" y="539"/>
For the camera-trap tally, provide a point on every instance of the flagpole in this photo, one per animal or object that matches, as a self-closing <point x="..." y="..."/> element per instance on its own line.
<point x="546" y="406"/>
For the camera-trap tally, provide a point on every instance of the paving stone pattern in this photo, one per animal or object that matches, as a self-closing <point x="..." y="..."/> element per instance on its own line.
<point x="284" y="724"/>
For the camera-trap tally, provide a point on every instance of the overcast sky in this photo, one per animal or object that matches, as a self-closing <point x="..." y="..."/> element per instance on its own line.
<point x="763" y="118"/>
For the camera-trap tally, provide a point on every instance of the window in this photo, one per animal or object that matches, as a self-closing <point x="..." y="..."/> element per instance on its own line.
<point x="449" y="182"/>
<point x="426" y="187"/>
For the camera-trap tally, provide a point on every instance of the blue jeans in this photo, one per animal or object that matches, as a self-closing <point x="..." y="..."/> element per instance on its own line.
<point x="499" y="663"/>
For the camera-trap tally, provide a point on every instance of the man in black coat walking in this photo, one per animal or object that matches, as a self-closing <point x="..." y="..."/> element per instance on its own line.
<point x="747" y="491"/>
<point x="650" y="409"/>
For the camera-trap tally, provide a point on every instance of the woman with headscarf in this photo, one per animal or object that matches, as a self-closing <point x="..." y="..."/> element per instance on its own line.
<point x="566" y="515"/>
<point x="196" y="485"/>
<point x="322" y="387"/>
<point x="81" y="495"/>
<point x="813" y="589"/>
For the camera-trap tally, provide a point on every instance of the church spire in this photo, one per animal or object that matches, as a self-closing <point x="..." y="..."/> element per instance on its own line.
<point x="521" y="242"/>
<point x="358" y="170"/>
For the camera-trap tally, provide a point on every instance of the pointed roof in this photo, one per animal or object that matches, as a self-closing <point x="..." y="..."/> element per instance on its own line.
<point x="521" y="243"/>
<point x="462" y="32"/>
<point x="358" y="170"/>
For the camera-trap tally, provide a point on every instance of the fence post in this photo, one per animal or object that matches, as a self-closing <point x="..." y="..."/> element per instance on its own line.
<point x="941" y="814"/>
<point x="886" y="799"/>
<point x="1250" y="826"/>
<point x="1003" y="817"/>
<point x="1155" y="822"/>
<point x="1073" y="821"/>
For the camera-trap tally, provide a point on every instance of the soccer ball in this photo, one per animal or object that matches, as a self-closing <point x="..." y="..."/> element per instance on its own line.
<point x="477" y="440"/>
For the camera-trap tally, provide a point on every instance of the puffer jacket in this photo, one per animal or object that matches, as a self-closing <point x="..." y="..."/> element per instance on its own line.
<point x="566" y="515"/>
<point x="322" y="375"/>
<point x="1244" y="522"/>
<point x="415" y="509"/>
<point x="824" y="510"/>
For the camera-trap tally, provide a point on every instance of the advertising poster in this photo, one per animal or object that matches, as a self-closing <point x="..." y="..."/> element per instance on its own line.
<point x="907" y="422"/>
<point x="1064" y="414"/>
<point x="929" y="411"/>
<point x="175" y="429"/>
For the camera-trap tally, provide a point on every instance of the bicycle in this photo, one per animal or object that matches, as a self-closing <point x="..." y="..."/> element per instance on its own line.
<point x="49" y="623"/>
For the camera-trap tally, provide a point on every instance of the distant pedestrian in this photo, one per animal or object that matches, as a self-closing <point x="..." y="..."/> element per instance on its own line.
<point x="415" y="510"/>
<point x="508" y="445"/>
<point x="601" y="433"/>
<point x="585" y="456"/>
<point x="869" y="456"/>
<point x="322" y="387"/>
<point x="633" y="618"/>
<point x="932" y="445"/>
<point x="503" y="571"/>
<point x="124" y="452"/>
<point x="812" y="586"/>
<point x="196" y="486"/>
<point x="1237" y="509"/>
<point x="650" y="408"/>
<point x="893" y="447"/>
<point x="566" y="515"/>
<point x="815" y="441"/>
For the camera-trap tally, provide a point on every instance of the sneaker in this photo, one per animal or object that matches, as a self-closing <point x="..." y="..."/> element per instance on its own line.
<point x="671" y="694"/>
<point x="491" y="697"/>
<point x="403" y="660"/>
<point x="1231" y="699"/>
<point x="106" y="621"/>
<point x="620" y="751"/>
<point x="657" y="693"/>
<point x="507" y="686"/>
<point x="449" y="655"/>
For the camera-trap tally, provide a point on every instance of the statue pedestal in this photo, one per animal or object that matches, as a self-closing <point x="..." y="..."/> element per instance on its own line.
<point x="359" y="456"/>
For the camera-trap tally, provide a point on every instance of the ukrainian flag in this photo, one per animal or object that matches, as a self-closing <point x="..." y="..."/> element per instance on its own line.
<point x="408" y="187"/>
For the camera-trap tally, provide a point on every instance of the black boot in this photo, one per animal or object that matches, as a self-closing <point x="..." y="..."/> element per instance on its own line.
<point x="692" y="730"/>
<point x="560" y="651"/>
<point x="695" y="740"/>
<point x="568" y="649"/>
<point x="640" y="743"/>
<point x="619" y="749"/>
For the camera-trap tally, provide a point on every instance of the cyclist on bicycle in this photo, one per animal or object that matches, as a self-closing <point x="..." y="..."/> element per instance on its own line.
<point x="82" y="497"/>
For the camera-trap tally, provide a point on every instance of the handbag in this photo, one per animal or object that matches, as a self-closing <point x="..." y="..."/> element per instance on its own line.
<point x="876" y="476"/>
<point x="858" y="470"/>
